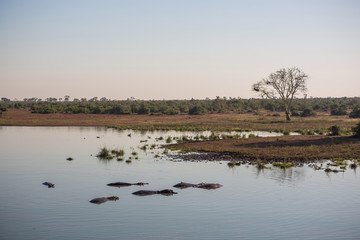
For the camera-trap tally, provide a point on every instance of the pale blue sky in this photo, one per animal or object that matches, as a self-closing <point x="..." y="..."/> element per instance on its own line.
<point x="175" y="49"/>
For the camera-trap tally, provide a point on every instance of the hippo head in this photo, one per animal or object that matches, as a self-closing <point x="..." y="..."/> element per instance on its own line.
<point x="167" y="192"/>
<point x="113" y="198"/>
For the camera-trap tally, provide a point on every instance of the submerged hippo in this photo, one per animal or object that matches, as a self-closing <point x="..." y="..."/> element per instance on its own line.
<point x="104" y="199"/>
<point x="209" y="185"/>
<point x="166" y="192"/>
<point x="183" y="185"/>
<point x="124" y="184"/>
<point x="49" y="184"/>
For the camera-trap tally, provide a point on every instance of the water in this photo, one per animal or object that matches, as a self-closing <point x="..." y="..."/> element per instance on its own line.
<point x="298" y="203"/>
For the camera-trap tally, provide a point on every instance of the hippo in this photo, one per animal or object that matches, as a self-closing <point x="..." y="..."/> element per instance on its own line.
<point x="166" y="192"/>
<point x="49" y="184"/>
<point x="124" y="184"/>
<point x="209" y="185"/>
<point x="104" y="199"/>
<point x="183" y="185"/>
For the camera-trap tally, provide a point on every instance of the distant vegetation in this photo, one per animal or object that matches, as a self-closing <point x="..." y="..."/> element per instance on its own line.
<point x="299" y="107"/>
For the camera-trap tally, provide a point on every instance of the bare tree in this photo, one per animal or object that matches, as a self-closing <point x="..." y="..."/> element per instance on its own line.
<point x="283" y="84"/>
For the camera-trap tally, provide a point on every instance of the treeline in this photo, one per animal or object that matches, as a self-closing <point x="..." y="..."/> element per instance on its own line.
<point x="336" y="106"/>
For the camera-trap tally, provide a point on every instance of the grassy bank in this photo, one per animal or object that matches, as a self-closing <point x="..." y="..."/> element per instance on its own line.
<point x="264" y="121"/>
<point x="284" y="149"/>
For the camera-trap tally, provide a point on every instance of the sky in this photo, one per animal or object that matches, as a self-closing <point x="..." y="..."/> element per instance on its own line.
<point x="168" y="49"/>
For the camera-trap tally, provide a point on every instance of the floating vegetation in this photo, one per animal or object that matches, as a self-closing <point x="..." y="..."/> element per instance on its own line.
<point x="144" y="147"/>
<point x="157" y="156"/>
<point x="104" y="154"/>
<point x="128" y="161"/>
<point x="332" y="170"/>
<point x="353" y="165"/>
<point x="159" y="138"/>
<point x="286" y="133"/>
<point x="69" y="159"/>
<point x="118" y="152"/>
<point x="168" y="140"/>
<point x="282" y="165"/>
<point x="129" y="135"/>
<point x="107" y="154"/>
<point x="260" y="166"/>
<point x="233" y="164"/>
<point x="120" y="159"/>
<point x="134" y="153"/>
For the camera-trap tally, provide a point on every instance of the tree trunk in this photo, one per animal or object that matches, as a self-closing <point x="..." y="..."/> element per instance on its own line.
<point x="287" y="113"/>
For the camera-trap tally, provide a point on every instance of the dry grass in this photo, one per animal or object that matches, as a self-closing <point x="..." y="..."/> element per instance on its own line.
<point x="286" y="148"/>
<point x="224" y="122"/>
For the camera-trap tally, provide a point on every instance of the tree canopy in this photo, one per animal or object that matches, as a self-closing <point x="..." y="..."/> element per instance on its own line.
<point x="283" y="84"/>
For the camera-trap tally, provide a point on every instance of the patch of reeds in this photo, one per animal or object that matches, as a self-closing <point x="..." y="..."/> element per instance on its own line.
<point x="282" y="164"/>
<point x="108" y="154"/>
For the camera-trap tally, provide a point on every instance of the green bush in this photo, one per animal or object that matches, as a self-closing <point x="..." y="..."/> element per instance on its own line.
<point x="356" y="130"/>
<point x="196" y="110"/>
<point x="334" y="130"/>
<point x="295" y="113"/>
<point x="338" y="111"/>
<point x="355" y="112"/>
<point x="308" y="112"/>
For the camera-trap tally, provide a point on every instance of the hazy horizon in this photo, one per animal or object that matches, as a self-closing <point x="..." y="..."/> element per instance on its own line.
<point x="175" y="49"/>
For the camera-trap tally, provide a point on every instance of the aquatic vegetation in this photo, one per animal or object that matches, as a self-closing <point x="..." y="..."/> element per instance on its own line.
<point x="144" y="147"/>
<point x="118" y="152"/>
<point x="231" y="164"/>
<point x="107" y="154"/>
<point x="353" y="165"/>
<point x="282" y="164"/>
<point x="69" y="159"/>
<point x="260" y="165"/>
<point x="104" y="154"/>
<point x="168" y="140"/>
<point x="134" y="153"/>
<point x="286" y="133"/>
<point x="159" y="138"/>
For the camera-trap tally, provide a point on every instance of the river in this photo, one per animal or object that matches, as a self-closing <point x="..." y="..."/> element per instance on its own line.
<point x="296" y="203"/>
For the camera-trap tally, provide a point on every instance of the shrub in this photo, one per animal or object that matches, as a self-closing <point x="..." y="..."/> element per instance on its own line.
<point x="295" y="113"/>
<point x="308" y="112"/>
<point x="355" y="112"/>
<point x="338" y="111"/>
<point x="356" y="130"/>
<point x="334" y="130"/>
<point x="196" y="110"/>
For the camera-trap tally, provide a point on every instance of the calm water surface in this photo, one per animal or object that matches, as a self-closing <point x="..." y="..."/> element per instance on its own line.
<point x="297" y="203"/>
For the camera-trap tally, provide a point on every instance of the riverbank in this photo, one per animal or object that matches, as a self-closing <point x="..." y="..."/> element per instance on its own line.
<point x="264" y="121"/>
<point x="273" y="149"/>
